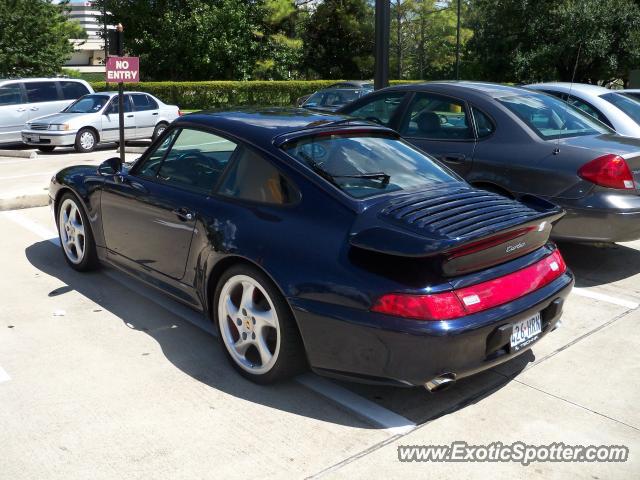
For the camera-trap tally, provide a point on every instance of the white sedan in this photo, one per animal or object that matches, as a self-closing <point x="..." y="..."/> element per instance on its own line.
<point x="614" y="108"/>
<point x="93" y="119"/>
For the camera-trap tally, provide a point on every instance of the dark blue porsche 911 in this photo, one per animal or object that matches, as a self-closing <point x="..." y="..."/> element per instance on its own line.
<point x="318" y="240"/>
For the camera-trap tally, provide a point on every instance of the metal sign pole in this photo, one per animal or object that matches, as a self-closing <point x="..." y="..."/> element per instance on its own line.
<point x="120" y="29"/>
<point x="383" y="22"/>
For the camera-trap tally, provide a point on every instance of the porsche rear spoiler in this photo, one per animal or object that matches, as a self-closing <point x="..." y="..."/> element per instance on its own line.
<point x="461" y="229"/>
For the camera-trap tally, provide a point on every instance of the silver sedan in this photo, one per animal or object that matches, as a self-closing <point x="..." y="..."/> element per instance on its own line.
<point x="94" y="118"/>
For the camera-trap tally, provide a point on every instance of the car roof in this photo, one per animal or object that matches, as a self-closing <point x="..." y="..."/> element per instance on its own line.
<point x="261" y="126"/>
<point x="494" y="90"/>
<point x="585" y="88"/>
<point x="42" y="79"/>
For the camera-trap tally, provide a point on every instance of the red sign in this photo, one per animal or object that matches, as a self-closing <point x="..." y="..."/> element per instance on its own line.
<point x="123" y="69"/>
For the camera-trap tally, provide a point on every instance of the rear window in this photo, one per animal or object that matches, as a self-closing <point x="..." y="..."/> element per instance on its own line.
<point x="552" y="118"/>
<point x="143" y="102"/>
<point x="628" y="105"/>
<point x="73" y="90"/>
<point x="363" y="165"/>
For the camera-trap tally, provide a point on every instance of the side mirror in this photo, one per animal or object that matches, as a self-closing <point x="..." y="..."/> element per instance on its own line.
<point x="111" y="166"/>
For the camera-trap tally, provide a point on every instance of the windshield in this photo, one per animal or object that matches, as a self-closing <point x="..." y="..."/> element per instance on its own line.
<point x="88" y="104"/>
<point x="552" y="118"/>
<point x="363" y="165"/>
<point x="332" y="98"/>
<point x="628" y="105"/>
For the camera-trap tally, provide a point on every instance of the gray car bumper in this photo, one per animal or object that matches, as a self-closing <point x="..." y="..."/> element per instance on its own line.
<point x="45" y="137"/>
<point x="600" y="217"/>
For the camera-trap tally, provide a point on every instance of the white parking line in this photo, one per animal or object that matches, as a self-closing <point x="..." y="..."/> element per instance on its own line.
<point x="583" y="292"/>
<point x="4" y="376"/>
<point x="391" y="422"/>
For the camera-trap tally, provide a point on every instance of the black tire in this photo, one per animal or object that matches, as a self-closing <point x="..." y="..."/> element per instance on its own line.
<point x="160" y="128"/>
<point x="83" y="144"/>
<point x="89" y="259"/>
<point x="291" y="357"/>
<point x="46" y="148"/>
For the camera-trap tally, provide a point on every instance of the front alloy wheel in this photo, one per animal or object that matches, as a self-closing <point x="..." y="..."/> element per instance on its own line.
<point x="256" y="327"/>
<point x="76" y="238"/>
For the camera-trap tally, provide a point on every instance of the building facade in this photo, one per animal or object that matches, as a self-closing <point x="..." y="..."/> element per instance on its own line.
<point x="89" y="53"/>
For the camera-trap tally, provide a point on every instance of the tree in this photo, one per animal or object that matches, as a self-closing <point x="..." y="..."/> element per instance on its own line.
<point x="526" y="40"/>
<point x="338" y="40"/>
<point x="34" y="37"/>
<point x="189" y="39"/>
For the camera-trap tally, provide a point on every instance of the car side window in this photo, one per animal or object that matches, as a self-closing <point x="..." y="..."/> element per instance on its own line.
<point x="436" y="117"/>
<point x="484" y="125"/>
<point x="196" y="160"/>
<point x="73" y="90"/>
<point x="252" y="177"/>
<point x="38" y="92"/>
<point x="142" y="102"/>
<point x="149" y="168"/>
<point x="114" y="107"/>
<point x="379" y="109"/>
<point x="10" y="94"/>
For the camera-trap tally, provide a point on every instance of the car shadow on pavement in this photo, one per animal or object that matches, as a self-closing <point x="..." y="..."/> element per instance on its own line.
<point x="597" y="264"/>
<point x="200" y="355"/>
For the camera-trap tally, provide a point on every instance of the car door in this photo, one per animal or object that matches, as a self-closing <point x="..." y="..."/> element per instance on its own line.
<point x="13" y="112"/>
<point x="146" y="112"/>
<point x="441" y="126"/>
<point x="149" y="214"/>
<point x="111" y="121"/>
<point x="44" y="98"/>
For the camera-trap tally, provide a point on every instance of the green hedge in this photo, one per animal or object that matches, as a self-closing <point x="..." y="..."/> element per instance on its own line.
<point x="226" y="94"/>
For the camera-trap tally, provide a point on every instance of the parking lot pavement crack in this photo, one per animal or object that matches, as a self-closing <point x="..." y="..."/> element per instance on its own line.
<point x="571" y="343"/>
<point x="577" y="405"/>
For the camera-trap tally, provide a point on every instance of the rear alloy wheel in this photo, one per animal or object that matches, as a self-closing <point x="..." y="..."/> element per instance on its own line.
<point x="46" y="148"/>
<point x="76" y="238"/>
<point x="159" y="130"/>
<point x="86" y="141"/>
<point x="256" y="327"/>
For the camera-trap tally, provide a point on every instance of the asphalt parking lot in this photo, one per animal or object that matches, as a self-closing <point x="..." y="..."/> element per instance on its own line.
<point x="102" y="377"/>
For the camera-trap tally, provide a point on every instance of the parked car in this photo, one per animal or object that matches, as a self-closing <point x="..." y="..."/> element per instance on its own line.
<point x="22" y="100"/>
<point x="515" y="141"/>
<point x="364" y="86"/>
<point x="612" y="107"/>
<point x="313" y="239"/>
<point x="94" y="118"/>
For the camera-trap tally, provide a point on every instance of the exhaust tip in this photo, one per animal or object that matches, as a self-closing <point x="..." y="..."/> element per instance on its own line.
<point x="441" y="382"/>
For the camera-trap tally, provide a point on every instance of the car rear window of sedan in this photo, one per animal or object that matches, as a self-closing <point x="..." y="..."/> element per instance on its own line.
<point x="363" y="165"/>
<point x="552" y="118"/>
<point x="628" y="105"/>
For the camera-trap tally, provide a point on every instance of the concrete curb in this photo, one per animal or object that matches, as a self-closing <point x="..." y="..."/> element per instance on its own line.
<point x="19" y="153"/>
<point x="25" y="201"/>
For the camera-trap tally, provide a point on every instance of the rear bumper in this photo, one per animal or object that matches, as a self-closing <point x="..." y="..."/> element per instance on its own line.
<point x="375" y="348"/>
<point x="45" y="137"/>
<point x="600" y="218"/>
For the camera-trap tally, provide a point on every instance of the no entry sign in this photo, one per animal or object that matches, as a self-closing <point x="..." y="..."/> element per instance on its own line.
<point x="123" y="69"/>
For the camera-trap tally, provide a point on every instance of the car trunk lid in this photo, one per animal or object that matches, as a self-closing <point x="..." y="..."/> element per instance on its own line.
<point x="460" y="228"/>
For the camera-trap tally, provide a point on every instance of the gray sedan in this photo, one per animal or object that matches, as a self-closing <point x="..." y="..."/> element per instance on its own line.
<point x="516" y="142"/>
<point x="94" y="118"/>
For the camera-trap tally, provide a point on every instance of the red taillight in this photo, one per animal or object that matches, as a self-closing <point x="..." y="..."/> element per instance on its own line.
<point x="608" y="171"/>
<point x="180" y="113"/>
<point x="476" y="298"/>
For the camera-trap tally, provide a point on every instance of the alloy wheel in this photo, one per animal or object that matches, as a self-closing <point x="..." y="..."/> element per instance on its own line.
<point x="72" y="231"/>
<point x="249" y="324"/>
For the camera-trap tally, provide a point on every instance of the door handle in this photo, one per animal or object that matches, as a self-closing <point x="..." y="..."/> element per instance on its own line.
<point x="156" y="113"/>
<point x="183" y="214"/>
<point x="453" y="157"/>
<point x="21" y="110"/>
<point x="34" y="109"/>
<point x="129" y="116"/>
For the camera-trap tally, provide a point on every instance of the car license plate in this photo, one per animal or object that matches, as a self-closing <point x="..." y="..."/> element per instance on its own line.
<point x="35" y="138"/>
<point x="526" y="332"/>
